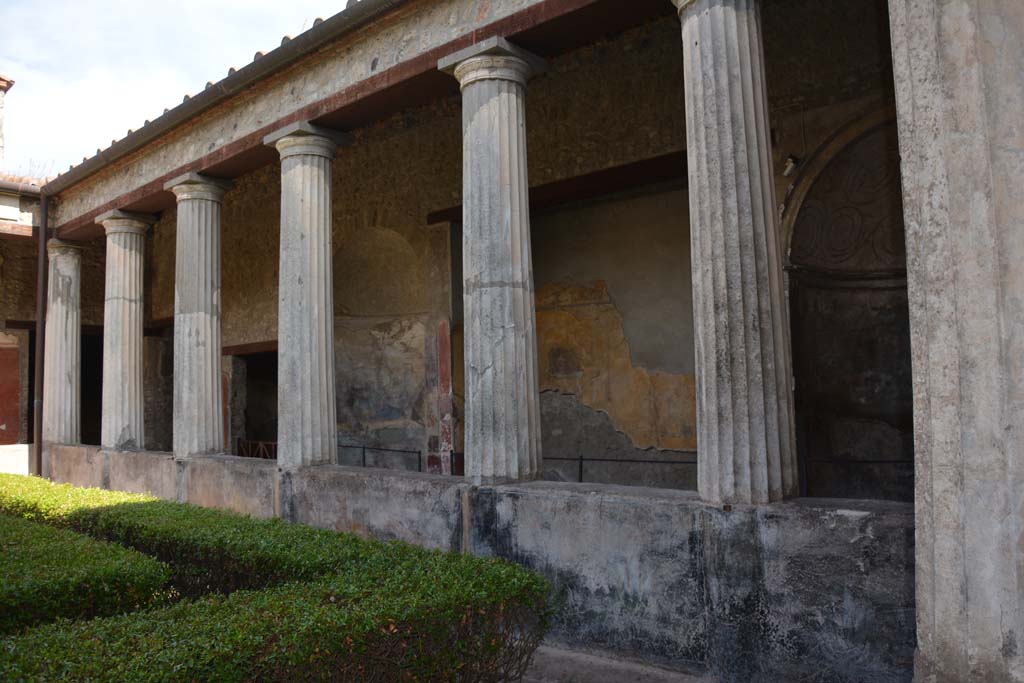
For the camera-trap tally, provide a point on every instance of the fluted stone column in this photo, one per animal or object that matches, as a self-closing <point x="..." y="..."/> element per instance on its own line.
<point x="307" y="415"/>
<point x="958" y="70"/>
<point x="62" y="410"/>
<point x="198" y="397"/>
<point x="122" y="420"/>
<point x="502" y="399"/>
<point x="745" y="436"/>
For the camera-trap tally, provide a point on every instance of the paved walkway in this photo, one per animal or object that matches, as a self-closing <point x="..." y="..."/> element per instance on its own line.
<point x="552" y="665"/>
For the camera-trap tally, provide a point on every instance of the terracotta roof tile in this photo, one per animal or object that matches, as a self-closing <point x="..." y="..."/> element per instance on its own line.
<point x="23" y="179"/>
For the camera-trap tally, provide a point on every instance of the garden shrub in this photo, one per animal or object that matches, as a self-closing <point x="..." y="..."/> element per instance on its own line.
<point x="47" y="573"/>
<point x="209" y="550"/>
<point x="335" y="607"/>
<point x="452" y="620"/>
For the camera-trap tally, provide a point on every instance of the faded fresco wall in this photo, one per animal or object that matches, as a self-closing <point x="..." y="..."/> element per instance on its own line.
<point x="615" y="337"/>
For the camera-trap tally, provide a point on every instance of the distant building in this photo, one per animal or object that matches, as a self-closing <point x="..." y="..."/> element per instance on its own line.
<point x="19" y="211"/>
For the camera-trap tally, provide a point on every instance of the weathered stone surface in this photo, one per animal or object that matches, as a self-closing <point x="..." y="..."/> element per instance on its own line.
<point x="245" y="485"/>
<point x="960" y="97"/>
<point x="502" y="424"/>
<point x="142" y="472"/>
<point x="122" y="421"/>
<point x="62" y="410"/>
<point x="744" y="392"/>
<point x="78" y="465"/>
<point x="307" y="422"/>
<point x="418" y="508"/>
<point x="198" y="397"/>
<point x="743" y="595"/>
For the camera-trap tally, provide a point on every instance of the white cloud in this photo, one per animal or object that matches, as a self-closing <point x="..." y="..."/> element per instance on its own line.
<point x="86" y="71"/>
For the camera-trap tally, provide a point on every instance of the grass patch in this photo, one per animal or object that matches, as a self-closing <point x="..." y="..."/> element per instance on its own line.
<point x="48" y="573"/>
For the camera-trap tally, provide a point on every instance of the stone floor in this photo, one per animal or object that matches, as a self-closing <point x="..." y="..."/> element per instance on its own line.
<point x="552" y="665"/>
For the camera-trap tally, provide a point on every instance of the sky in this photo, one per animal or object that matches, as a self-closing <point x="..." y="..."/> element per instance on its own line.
<point x="86" y="71"/>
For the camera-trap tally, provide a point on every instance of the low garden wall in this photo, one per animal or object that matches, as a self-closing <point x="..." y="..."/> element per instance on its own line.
<point x="795" y="590"/>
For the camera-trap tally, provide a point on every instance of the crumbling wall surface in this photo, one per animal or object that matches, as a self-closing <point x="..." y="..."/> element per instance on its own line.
<point x="246" y="485"/>
<point x="142" y="472"/>
<point x="425" y="509"/>
<point x="793" y="591"/>
<point x="615" y="339"/>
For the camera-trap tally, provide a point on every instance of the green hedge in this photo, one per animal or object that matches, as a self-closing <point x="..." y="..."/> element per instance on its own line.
<point x="209" y="550"/>
<point x="364" y="610"/>
<point x="449" y="619"/>
<point x="47" y="573"/>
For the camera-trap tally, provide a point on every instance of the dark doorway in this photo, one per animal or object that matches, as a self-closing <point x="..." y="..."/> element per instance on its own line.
<point x="261" y="396"/>
<point x="91" y="390"/>
<point x="850" y="319"/>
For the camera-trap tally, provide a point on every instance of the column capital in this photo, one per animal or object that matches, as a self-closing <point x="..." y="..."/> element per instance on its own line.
<point x="682" y="5"/>
<point x="198" y="186"/>
<point x="56" y="246"/>
<point x="492" y="59"/>
<point x="125" y="221"/>
<point x="302" y="137"/>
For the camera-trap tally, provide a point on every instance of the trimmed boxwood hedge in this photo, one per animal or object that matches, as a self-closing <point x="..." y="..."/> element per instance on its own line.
<point x="209" y="550"/>
<point x="47" y="573"/>
<point x="363" y="610"/>
<point x="451" y="618"/>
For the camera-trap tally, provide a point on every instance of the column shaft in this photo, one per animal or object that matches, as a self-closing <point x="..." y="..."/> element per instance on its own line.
<point x="958" y="68"/>
<point x="122" y="420"/>
<point x="62" y="357"/>
<point x="502" y="399"/>
<point x="744" y="400"/>
<point x="307" y="414"/>
<point x="198" y="396"/>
